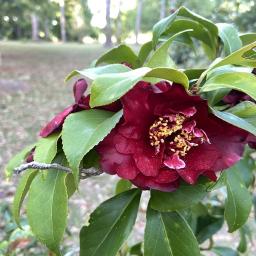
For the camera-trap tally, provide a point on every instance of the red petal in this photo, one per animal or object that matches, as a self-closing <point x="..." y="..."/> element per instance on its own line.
<point x="174" y="162"/>
<point x="167" y="176"/>
<point x="56" y="123"/>
<point x="79" y="89"/>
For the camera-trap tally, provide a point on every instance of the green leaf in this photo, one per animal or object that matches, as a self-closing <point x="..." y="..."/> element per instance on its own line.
<point x="230" y="38"/>
<point x="136" y="249"/>
<point x="21" y="192"/>
<point x="168" y="234"/>
<point x="193" y="73"/>
<point x="161" y="57"/>
<point x="239" y="201"/>
<point x="122" y="185"/>
<point x="241" y="81"/>
<point x="84" y="130"/>
<point x="119" y="54"/>
<point x="236" y="58"/>
<point x="248" y="38"/>
<point x="46" y="148"/>
<point x="110" y="87"/>
<point x="93" y="73"/>
<point x="235" y="120"/>
<point x="110" y="225"/>
<point x="207" y="226"/>
<point x="17" y="160"/>
<point x="70" y="184"/>
<point x="224" y="251"/>
<point x="182" y="198"/>
<point x="144" y="52"/>
<point x="242" y="246"/>
<point x="47" y="207"/>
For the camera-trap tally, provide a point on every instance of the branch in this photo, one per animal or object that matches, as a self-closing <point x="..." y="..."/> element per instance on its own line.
<point x="84" y="173"/>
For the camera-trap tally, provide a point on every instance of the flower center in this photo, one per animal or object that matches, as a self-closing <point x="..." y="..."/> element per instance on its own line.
<point x="177" y="133"/>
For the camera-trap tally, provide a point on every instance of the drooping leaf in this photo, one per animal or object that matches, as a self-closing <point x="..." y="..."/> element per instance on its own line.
<point x="110" y="225"/>
<point x="93" y="73"/>
<point x="47" y="207"/>
<point x="21" y="192"/>
<point x="230" y="37"/>
<point x="122" y="185"/>
<point x="17" y="160"/>
<point x="161" y="57"/>
<point x="182" y="198"/>
<point x="224" y="251"/>
<point x="235" y="120"/>
<point x="239" y="201"/>
<point x="119" y="54"/>
<point x="46" y="148"/>
<point x="241" y="81"/>
<point x="84" y="130"/>
<point x="109" y="88"/>
<point x="168" y="234"/>
<point x="144" y="52"/>
<point x="242" y="246"/>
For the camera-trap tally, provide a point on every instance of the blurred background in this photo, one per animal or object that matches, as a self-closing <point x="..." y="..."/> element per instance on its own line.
<point x="40" y="43"/>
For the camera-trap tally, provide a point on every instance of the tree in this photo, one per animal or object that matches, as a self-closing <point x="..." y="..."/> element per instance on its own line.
<point x="62" y="21"/>
<point x="163" y="9"/>
<point x="108" y="30"/>
<point x="138" y="19"/>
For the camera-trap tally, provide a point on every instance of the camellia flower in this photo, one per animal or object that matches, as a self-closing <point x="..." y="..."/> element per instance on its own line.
<point x="167" y="135"/>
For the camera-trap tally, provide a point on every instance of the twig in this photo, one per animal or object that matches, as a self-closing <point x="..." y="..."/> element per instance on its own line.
<point x="84" y="173"/>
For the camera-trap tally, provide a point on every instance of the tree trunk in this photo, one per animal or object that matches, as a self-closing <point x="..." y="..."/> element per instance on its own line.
<point x="34" y="26"/>
<point x="119" y="24"/>
<point x="138" y="19"/>
<point x="162" y="9"/>
<point x="46" y="29"/>
<point x="62" y="21"/>
<point x="108" y="31"/>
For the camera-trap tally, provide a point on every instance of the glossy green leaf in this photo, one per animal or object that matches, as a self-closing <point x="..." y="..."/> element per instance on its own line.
<point x="248" y="38"/>
<point x="241" y="81"/>
<point x="239" y="201"/>
<point x="184" y="197"/>
<point x="224" y="251"/>
<point x="207" y="226"/>
<point x="235" y="120"/>
<point x="84" y="130"/>
<point x="70" y="184"/>
<point x="110" y="225"/>
<point x="168" y="234"/>
<point x="17" y="160"/>
<point x="109" y="88"/>
<point x="236" y="58"/>
<point x="122" y="185"/>
<point x="144" y="52"/>
<point x="161" y="57"/>
<point x="230" y="38"/>
<point x="119" y="54"/>
<point x="251" y="54"/>
<point x="21" y="192"/>
<point x="46" y="148"/>
<point x="193" y="73"/>
<point x="93" y="73"/>
<point x="47" y="207"/>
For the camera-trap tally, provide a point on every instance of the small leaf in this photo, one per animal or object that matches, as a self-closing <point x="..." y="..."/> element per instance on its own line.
<point x="224" y="251"/>
<point x="161" y="57"/>
<point x="248" y="38"/>
<point x="119" y="54"/>
<point x="168" y="234"/>
<point x="17" y="160"/>
<point x="109" y="88"/>
<point x="184" y="197"/>
<point x="235" y="120"/>
<point x="46" y="148"/>
<point x="47" y="207"/>
<point x="239" y="201"/>
<point x="122" y="186"/>
<point x="242" y="246"/>
<point x="230" y="38"/>
<point x="93" y="73"/>
<point x="21" y="192"/>
<point x="241" y="81"/>
<point x="110" y="225"/>
<point x="84" y="130"/>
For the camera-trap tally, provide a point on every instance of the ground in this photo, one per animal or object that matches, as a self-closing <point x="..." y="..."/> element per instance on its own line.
<point x="32" y="91"/>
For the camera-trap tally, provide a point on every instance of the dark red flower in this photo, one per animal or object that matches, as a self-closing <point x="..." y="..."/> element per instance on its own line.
<point x="234" y="97"/>
<point x="167" y="135"/>
<point x="81" y="103"/>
